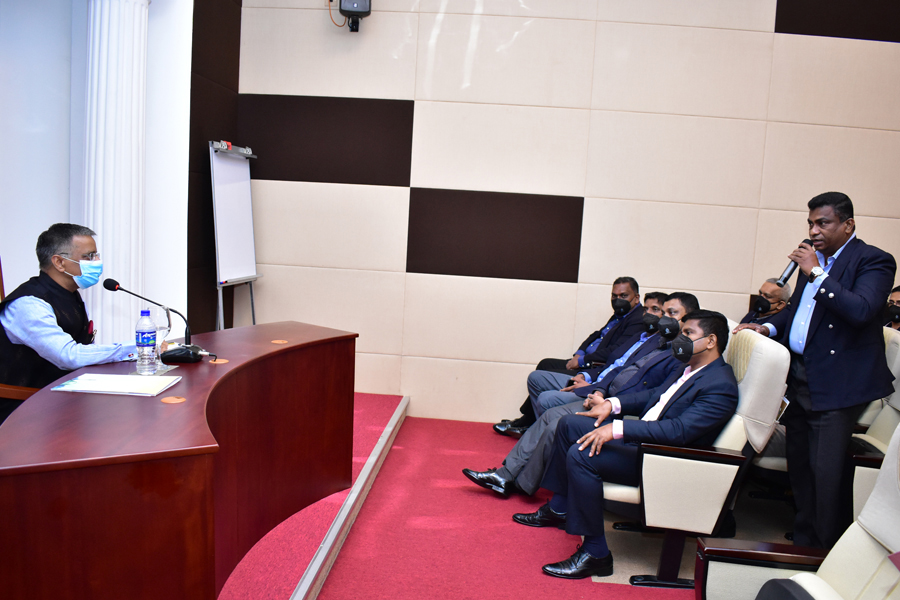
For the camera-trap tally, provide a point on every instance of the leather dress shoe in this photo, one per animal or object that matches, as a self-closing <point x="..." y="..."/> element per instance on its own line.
<point x="544" y="517"/>
<point x="491" y="481"/>
<point x="510" y="428"/>
<point x="581" y="565"/>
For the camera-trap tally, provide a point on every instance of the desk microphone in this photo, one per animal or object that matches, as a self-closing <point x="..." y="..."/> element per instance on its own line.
<point x="781" y="280"/>
<point x="187" y="353"/>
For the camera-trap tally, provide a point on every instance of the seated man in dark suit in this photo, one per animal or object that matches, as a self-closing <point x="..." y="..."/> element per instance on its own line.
<point x="690" y="407"/>
<point x="893" y="309"/>
<point x="625" y="323"/>
<point x="546" y="384"/>
<point x="44" y="328"/>
<point x="648" y="363"/>
<point x="771" y="301"/>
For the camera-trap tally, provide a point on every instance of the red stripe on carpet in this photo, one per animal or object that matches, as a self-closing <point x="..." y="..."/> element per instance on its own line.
<point x="425" y="531"/>
<point x="272" y="568"/>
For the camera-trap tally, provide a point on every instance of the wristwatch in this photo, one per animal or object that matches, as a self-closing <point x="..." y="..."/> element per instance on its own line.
<point x="816" y="272"/>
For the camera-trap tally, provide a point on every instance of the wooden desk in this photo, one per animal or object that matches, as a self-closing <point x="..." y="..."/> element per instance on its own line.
<point x="126" y="497"/>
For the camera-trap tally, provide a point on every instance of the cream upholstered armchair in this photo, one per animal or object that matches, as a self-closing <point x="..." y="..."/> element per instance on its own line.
<point x="859" y="566"/>
<point x="869" y="447"/>
<point x="689" y="491"/>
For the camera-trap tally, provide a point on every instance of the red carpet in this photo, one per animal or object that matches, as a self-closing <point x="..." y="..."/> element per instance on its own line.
<point x="275" y="564"/>
<point x="425" y="531"/>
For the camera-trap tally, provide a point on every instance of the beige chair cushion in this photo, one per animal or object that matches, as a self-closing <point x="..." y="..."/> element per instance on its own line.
<point x="892" y="353"/>
<point x="760" y="366"/>
<point x="881" y="515"/>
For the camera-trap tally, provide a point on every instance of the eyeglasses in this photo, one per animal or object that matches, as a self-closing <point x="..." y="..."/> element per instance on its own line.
<point x="91" y="256"/>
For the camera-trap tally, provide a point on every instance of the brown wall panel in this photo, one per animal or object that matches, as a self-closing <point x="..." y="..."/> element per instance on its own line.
<point x="493" y="234"/>
<point x="877" y="20"/>
<point x="330" y="140"/>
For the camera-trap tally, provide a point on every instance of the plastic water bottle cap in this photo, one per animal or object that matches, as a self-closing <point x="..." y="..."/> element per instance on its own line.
<point x="145" y="312"/>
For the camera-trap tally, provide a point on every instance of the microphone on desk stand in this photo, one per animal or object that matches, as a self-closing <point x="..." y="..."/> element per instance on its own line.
<point x="186" y="353"/>
<point x="790" y="268"/>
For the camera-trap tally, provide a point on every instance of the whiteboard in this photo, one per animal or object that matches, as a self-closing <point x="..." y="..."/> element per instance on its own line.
<point x="233" y="216"/>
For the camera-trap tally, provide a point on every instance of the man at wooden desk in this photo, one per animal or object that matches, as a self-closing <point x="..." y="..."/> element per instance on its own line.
<point x="44" y="327"/>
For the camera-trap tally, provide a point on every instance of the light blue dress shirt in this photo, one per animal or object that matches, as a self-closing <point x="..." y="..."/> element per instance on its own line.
<point x="622" y="360"/>
<point x="800" y="327"/>
<point x="32" y="322"/>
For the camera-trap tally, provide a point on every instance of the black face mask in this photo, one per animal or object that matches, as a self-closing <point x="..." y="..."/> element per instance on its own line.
<point x="621" y="307"/>
<point x="651" y="323"/>
<point x="683" y="347"/>
<point x="894" y="313"/>
<point x="762" y="306"/>
<point x="669" y="328"/>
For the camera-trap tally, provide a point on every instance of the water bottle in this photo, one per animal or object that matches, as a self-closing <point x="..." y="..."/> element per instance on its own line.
<point x="145" y="340"/>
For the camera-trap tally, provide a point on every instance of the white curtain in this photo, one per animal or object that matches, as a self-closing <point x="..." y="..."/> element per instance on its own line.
<point x="114" y="158"/>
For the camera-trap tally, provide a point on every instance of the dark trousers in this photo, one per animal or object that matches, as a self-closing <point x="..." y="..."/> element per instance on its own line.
<point x="579" y="477"/>
<point x="820" y="474"/>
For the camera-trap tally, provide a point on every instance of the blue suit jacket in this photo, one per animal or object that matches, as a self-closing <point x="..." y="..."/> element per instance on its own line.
<point x="844" y="352"/>
<point x="651" y="374"/>
<point x="694" y="415"/>
<point x="632" y="324"/>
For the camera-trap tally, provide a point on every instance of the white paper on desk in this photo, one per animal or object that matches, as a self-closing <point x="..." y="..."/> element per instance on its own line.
<point x="99" y="383"/>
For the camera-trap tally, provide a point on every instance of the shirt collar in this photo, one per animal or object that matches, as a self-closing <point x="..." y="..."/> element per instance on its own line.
<point x="833" y="257"/>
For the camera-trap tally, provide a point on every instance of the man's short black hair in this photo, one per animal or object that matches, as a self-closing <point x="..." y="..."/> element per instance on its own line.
<point x="896" y="289"/>
<point x="660" y="297"/>
<point x="710" y="322"/>
<point x="838" y="201"/>
<point x="58" y="240"/>
<point x="688" y="301"/>
<point x="630" y="281"/>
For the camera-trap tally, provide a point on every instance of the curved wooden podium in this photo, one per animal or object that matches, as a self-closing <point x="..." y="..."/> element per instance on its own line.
<point x="106" y="496"/>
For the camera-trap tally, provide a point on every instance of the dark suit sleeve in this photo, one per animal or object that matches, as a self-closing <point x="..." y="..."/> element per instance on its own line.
<point x="714" y="403"/>
<point x="626" y="329"/>
<point x="863" y="302"/>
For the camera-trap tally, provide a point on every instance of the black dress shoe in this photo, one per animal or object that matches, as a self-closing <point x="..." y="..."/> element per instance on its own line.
<point x="544" y="517"/>
<point x="510" y="428"/>
<point x="581" y="565"/>
<point x="491" y="481"/>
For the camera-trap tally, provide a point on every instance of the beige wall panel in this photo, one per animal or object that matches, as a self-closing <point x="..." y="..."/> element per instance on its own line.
<point x="555" y="9"/>
<point x="464" y="390"/>
<point x="733" y="306"/>
<point x="500" y="148"/>
<point x="480" y="318"/>
<point x="592" y="310"/>
<point x="505" y="60"/>
<point x="682" y="70"/>
<point x="377" y="373"/>
<point x="301" y="53"/>
<point x="675" y="158"/>
<point x="835" y="81"/>
<point x="381" y="6"/>
<point x="369" y="303"/>
<point x="803" y="161"/>
<point x="330" y="225"/>
<point x="752" y="15"/>
<point x="683" y="246"/>
<point x="778" y="233"/>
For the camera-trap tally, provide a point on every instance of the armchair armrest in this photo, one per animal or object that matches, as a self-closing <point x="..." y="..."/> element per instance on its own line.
<point x="702" y="453"/>
<point x="15" y="392"/>
<point x="744" y="550"/>
<point x="871" y="460"/>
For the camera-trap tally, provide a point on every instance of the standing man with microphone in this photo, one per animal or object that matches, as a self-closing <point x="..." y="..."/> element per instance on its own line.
<point x="832" y="328"/>
<point x="45" y="331"/>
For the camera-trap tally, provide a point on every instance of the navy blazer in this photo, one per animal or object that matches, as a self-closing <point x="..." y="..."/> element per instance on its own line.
<point x="651" y="374"/>
<point x="694" y="415"/>
<point x="632" y="324"/>
<point x="844" y="352"/>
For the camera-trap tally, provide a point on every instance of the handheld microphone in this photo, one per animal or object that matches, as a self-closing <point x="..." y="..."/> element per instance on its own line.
<point x="187" y="353"/>
<point x="788" y="271"/>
